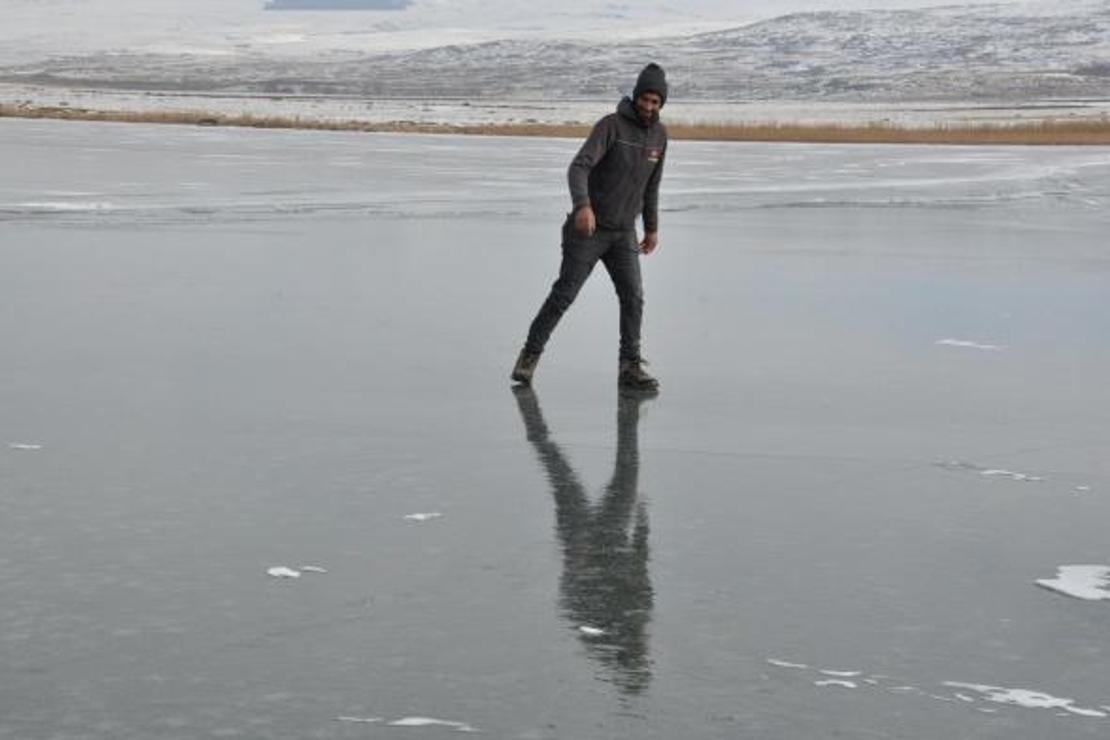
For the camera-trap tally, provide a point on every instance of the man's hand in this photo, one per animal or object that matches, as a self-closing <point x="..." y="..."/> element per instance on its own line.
<point x="649" y="242"/>
<point x="585" y="223"/>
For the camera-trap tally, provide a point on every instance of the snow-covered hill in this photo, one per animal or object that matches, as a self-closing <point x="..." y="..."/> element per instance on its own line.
<point x="1004" y="51"/>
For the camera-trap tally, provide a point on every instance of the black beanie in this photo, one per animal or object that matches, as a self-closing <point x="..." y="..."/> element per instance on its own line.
<point x="651" y="79"/>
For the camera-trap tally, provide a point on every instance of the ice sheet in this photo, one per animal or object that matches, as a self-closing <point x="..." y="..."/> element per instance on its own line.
<point x="273" y="369"/>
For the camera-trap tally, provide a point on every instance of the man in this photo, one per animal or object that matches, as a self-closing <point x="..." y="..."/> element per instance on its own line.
<point x="613" y="179"/>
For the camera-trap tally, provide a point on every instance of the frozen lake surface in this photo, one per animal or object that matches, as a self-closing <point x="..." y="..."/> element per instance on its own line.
<point x="262" y="474"/>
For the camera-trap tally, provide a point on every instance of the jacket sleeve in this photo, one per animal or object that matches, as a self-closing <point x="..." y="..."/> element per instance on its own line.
<point x="593" y="151"/>
<point x="651" y="196"/>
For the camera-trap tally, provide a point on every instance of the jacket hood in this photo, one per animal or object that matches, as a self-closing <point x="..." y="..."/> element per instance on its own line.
<point x="627" y="109"/>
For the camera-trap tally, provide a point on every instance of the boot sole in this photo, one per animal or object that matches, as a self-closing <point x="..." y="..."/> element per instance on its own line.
<point x="636" y="385"/>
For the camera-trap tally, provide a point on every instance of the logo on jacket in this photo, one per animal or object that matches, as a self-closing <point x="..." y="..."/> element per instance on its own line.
<point x="654" y="155"/>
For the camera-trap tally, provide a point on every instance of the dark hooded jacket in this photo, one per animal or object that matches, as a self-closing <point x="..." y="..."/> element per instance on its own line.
<point x="618" y="169"/>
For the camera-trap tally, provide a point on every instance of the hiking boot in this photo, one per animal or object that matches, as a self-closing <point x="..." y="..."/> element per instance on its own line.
<point x="632" y="376"/>
<point x="525" y="366"/>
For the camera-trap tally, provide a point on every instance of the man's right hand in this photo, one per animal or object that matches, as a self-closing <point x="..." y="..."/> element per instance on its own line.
<point x="585" y="223"/>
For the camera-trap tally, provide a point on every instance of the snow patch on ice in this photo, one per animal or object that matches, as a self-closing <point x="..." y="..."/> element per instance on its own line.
<point x="360" y="720"/>
<point x="1087" y="582"/>
<point x="995" y="473"/>
<point x="1025" y="698"/>
<point x="23" y="447"/>
<point x="990" y="472"/>
<point x="591" y="631"/>
<point x="284" y="571"/>
<point x="971" y="694"/>
<point x="57" y="206"/>
<point x="431" y="722"/>
<point x="967" y="344"/>
<point x="423" y="516"/>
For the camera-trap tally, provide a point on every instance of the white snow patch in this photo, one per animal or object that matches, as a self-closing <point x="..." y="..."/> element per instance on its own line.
<point x="24" y="447"/>
<point x="1083" y="489"/>
<point x="431" y="722"/>
<point x="423" y="516"/>
<point x="967" y="344"/>
<point x="1082" y="712"/>
<point x="1087" y="582"/>
<point x="171" y="49"/>
<point x="360" y="720"/>
<point x="591" y="631"/>
<point x="1026" y="698"/>
<point x="59" y="206"/>
<point x="312" y="569"/>
<point x="280" y="38"/>
<point x="995" y="473"/>
<point x="281" y="571"/>
<point x="969" y="693"/>
<point x="990" y="472"/>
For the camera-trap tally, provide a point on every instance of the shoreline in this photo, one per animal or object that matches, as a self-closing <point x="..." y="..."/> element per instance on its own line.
<point x="1047" y="132"/>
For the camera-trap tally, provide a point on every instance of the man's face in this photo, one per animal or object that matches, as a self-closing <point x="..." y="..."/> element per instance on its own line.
<point x="648" y="105"/>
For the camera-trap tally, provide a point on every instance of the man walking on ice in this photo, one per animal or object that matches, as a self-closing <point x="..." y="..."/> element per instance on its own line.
<point x="613" y="179"/>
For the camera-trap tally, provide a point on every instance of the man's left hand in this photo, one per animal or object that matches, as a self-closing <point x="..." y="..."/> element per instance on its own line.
<point x="649" y="242"/>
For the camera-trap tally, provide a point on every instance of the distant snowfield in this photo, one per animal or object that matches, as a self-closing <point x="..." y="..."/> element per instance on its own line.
<point x="46" y="28"/>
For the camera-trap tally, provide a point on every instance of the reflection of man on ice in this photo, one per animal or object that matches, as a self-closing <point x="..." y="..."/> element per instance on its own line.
<point x="613" y="179"/>
<point x="605" y="591"/>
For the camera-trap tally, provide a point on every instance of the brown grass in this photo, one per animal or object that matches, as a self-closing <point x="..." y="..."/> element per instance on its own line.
<point x="1089" y="132"/>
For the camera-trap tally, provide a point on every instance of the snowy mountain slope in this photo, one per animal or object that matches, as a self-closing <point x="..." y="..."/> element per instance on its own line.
<point x="34" y="30"/>
<point x="1004" y="51"/>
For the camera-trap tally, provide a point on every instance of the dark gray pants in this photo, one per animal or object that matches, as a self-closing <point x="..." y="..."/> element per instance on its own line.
<point x="619" y="252"/>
